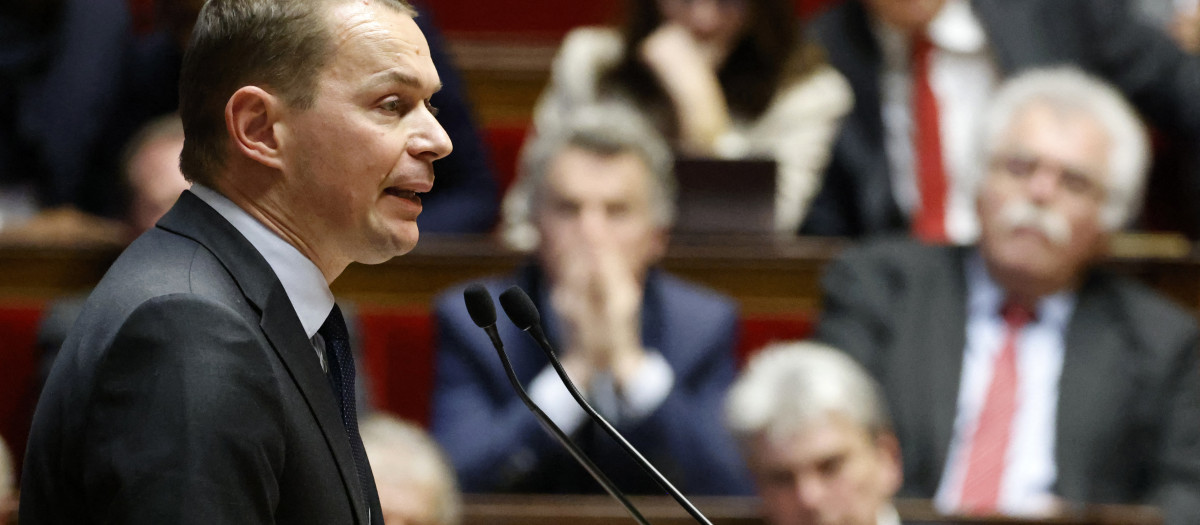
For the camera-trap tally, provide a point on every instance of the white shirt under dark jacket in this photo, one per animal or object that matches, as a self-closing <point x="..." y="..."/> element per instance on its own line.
<point x="963" y="75"/>
<point x="301" y="278"/>
<point x="1030" y="471"/>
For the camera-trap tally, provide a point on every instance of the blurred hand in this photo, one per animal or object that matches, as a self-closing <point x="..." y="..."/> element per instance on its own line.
<point x="1185" y="30"/>
<point x="687" y="70"/>
<point x="599" y="298"/>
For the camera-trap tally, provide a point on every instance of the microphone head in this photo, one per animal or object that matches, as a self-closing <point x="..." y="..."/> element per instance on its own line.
<point x="520" y="308"/>
<point x="480" y="305"/>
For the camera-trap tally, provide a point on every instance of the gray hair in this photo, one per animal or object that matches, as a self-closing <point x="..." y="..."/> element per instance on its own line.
<point x="789" y="386"/>
<point x="1068" y="89"/>
<point x="402" y="452"/>
<point x="605" y="129"/>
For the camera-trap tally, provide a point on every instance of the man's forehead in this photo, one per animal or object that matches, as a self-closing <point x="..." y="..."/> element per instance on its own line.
<point x="383" y="40"/>
<point x="366" y="23"/>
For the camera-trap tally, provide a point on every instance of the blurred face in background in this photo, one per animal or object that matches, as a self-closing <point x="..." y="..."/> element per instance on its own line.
<point x="410" y="502"/>
<point x="716" y="24"/>
<point x="834" y="472"/>
<point x="1040" y="203"/>
<point x="155" y="181"/>
<point x="591" y="202"/>
<point x="905" y="15"/>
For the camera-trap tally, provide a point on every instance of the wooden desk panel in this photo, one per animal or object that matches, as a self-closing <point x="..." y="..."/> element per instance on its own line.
<point x="601" y="510"/>
<point x="765" y="275"/>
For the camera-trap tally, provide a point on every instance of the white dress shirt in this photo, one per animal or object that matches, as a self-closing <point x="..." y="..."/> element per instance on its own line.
<point x="1029" y="471"/>
<point x="963" y="75"/>
<point x="301" y="279"/>
<point x="639" y="398"/>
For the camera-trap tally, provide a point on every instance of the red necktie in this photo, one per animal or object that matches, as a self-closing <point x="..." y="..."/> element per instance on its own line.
<point x="930" y="222"/>
<point x="989" y="445"/>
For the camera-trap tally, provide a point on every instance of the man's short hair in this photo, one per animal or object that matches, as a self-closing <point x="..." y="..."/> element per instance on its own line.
<point x="279" y="45"/>
<point x="402" y="453"/>
<point x="603" y="129"/>
<point x="1070" y="91"/>
<point x="788" y="387"/>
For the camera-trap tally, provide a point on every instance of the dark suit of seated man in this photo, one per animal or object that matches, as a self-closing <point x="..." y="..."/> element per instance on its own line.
<point x="653" y="353"/>
<point x="209" y="377"/>
<point x="1022" y="379"/>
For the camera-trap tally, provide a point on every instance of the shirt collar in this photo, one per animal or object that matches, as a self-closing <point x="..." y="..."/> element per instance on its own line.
<point x="985" y="297"/>
<point x="888" y="515"/>
<point x="301" y="279"/>
<point x="954" y="28"/>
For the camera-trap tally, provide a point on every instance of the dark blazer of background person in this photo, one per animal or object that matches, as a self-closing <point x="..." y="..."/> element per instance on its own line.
<point x="466" y="197"/>
<point x="1100" y="36"/>
<point x="1128" y="424"/>
<point x="265" y="409"/>
<point x="496" y="445"/>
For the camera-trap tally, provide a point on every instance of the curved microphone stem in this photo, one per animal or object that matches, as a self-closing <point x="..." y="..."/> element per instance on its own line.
<point x="562" y="438"/>
<point x="538" y="335"/>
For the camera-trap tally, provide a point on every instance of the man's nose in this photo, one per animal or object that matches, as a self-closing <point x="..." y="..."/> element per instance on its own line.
<point x="1044" y="183"/>
<point x="592" y="224"/>
<point x="809" y="491"/>
<point x="431" y="141"/>
<point x="703" y="17"/>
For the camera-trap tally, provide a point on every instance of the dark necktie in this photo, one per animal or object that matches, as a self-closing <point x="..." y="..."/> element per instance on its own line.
<point x="341" y="378"/>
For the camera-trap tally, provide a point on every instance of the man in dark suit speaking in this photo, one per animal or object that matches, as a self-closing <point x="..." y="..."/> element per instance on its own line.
<point x="1021" y="378"/>
<point x="208" y="379"/>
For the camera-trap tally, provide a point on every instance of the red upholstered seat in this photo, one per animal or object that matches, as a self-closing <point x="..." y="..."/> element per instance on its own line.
<point x="18" y="372"/>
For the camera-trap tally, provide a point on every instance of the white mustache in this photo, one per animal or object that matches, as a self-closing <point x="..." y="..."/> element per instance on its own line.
<point x="1025" y="214"/>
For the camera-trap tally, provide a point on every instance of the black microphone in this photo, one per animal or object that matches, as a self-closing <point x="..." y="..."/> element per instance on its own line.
<point x="522" y="312"/>
<point x="483" y="312"/>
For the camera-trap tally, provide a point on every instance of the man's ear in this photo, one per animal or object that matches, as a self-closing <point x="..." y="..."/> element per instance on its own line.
<point x="250" y="117"/>
<point x="891" y="464"/>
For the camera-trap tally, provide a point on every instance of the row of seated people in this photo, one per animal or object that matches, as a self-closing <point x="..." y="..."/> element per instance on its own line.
<point x="1102" y="365"/>
<point x="867" y="110"/>
<point x="1067" y="384"/>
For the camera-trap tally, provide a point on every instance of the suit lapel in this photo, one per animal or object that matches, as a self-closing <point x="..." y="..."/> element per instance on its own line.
<point x="1007" y="25"/>
<point x="194" y="219"/>
<point x="859" y="153"/>
<point x="947" y="340"/>
<point x="1093" y="388"/>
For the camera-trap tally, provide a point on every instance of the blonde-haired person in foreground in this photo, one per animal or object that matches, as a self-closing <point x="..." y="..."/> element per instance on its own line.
<point x="416" y="485"/>
<point x="816" y="436"/>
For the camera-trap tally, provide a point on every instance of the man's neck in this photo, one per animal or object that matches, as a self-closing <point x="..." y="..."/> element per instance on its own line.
<point x="265" y="207"/>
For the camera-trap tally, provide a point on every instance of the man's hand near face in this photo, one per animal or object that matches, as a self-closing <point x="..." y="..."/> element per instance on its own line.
<point x="599" y="297"/>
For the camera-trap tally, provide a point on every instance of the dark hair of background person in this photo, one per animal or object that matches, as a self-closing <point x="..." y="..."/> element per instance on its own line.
<point x="771" y="54"/>
<point x="279" y="44"/>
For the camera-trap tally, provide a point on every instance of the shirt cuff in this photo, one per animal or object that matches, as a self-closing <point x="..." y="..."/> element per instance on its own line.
<point x="549" y="393"/>
<point x="648" y="387"/>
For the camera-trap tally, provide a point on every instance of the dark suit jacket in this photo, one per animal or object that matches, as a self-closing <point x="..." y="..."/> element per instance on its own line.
<point x="495" y="444"/>
<point x="1128" y="428"/>
<point x="188" y="392"/>
<point x="1100" y="36"/>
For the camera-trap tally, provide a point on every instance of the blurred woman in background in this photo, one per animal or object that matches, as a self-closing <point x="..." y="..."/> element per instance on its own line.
<point x="718" y="78"/>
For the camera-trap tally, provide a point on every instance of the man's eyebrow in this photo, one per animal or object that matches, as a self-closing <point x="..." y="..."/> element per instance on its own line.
<point x="400" y="77"/>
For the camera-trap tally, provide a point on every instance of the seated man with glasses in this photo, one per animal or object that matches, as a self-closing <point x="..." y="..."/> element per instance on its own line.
<point x="1023" y="379"/>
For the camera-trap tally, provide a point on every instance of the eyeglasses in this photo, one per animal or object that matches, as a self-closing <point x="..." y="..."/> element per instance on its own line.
<point x="1074" y="180"/>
